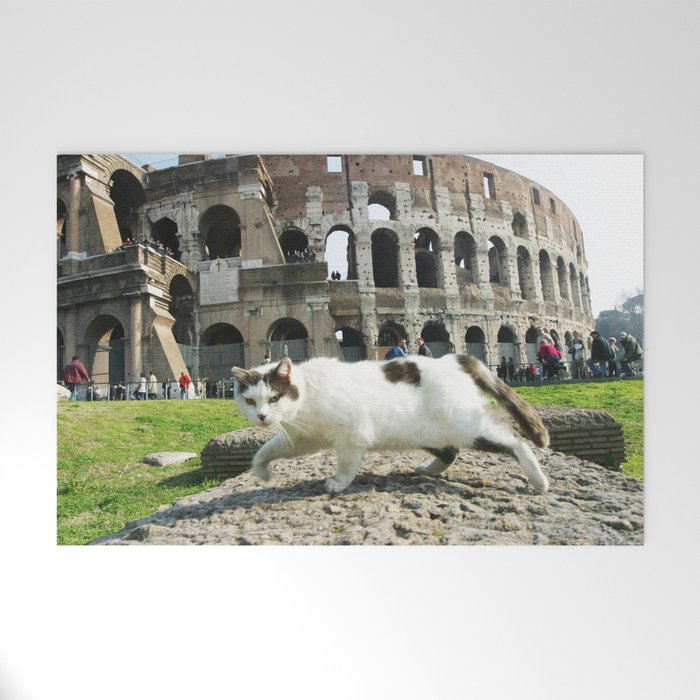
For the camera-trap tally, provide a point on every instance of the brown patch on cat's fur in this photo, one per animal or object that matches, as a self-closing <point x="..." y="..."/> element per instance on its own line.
<point x="397" y="371"/>
<point x="528" y="421"/>
<point x="282" y="387"/>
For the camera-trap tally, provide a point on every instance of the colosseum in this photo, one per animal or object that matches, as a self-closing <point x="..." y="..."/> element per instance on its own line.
<point x="218" y="261"/>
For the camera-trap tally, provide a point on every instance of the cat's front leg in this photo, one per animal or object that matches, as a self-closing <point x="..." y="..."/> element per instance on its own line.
<point x="349" y="463"/>
<point x="275" y="448"/>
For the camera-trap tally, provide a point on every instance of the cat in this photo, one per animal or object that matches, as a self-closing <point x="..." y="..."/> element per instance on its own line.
<point x="439" y="405"/>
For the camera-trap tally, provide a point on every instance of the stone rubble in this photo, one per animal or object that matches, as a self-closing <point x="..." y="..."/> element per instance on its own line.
<point x="483" y="499"/>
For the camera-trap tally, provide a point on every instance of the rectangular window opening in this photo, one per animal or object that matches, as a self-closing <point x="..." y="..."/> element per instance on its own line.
<point x="489" y="186"/>
<point x="552" y="206"/>
<point x="335" y="164"/>
<point x="536" y="196"/>
<point x="418" y="165"/>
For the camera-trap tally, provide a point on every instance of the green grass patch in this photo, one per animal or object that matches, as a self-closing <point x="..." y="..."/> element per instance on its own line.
<point x="102" y="480"/>
<point x="623" y="400"/>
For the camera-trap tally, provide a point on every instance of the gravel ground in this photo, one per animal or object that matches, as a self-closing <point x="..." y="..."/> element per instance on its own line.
<point x="482" y="499"/>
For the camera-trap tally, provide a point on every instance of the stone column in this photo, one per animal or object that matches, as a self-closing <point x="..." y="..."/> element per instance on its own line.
<point x="73" y="225"/>
<point x="135" y="323"/>
<point x="70" y="341"/>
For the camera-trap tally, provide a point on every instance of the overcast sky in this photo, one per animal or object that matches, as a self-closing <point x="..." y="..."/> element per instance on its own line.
<point x="605" y="193"/>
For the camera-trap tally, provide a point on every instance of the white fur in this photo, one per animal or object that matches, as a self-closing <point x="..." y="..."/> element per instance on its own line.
<point x="353" y="408"/>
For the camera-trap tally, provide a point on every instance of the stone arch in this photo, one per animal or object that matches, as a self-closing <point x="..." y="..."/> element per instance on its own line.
<point x="475" y="342"/>
<point x="352" y="344"/>
<point x="220" y="232"/>
<point x="466" y="258"/>
<point x="546" y="276"/>
<point x="61" y="220"/>
<point x="507" y="344"/>
<point x="339" y="239"/>
<point x="437" y="338"/>
<point x="221" y="347"/>
<point x="181" y="308"/>
<point x="389" y="334"/>
<point x="531" y="344"/>
<point x="526" y="275"/>
<point x="165" y="232"/>
<point x="575" y="291"/>
<point x="106" y="350"/>
<point x="127" y="194"/>
<point x="562" y="278"/>
<point x="427" y="252"/>
<point x="385" y="258"/>
<point x="383" y="206"/>
<point x="519" y="226"/>
<point x="293" y="242"/>
<point x="288" y="337"/>
<point x="498" y="268"/>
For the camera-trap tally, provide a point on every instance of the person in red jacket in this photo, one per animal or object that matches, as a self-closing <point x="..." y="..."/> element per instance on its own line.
<point x="185" y="382"/>
<point x="550" y="358"/>
<point x="73" y="375"/>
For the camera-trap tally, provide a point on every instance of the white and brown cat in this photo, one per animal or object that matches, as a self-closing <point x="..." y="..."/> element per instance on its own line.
<point x="439" y="405"/>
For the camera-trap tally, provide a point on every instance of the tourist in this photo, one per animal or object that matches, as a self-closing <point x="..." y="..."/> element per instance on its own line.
<point x="74" y="374"/>
<point x="423" y="349"/>
<point x="185" y="382"/>
<point x="510" y="369"/>
<point x="632" y="353"/>
<point x="141" y="388"/>
<point x="400" y="350"/>
<point x="152" y="386"/>
<point x="166" y="386"/>
<point x="577" y="352"/>
<point x="550" y="359"/>
<point x="613" y="365"/>
<point x="601" y="354"/>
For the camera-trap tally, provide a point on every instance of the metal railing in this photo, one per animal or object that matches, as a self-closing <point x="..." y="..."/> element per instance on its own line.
<point x="165" y="391"/>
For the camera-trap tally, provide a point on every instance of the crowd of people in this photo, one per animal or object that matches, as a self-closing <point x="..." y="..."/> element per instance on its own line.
<point x="300" y="256"/>
<point x="151" y="243"/>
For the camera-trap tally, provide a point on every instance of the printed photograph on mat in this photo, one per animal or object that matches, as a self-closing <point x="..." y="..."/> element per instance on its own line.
<point x="331" y="349"/>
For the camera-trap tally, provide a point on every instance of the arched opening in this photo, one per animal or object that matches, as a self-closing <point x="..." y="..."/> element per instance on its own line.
<point x="466" y="258"/>
<point x="507" y="346"/>
<point x="575" y="291"/>
<point x="164" y="231"/>
<point x="381" y="206"/>
<point x="61" y="219"/>
<point x="106" y="360"/>
<point x="526" y="277"/>
<point x="220" y="231"/>
<point x="427" y="252"/>
<point x="562" y="278"/>
<point x="519" y="225"/>
<point x="220" y="348"/>
<point x="341" y="254"/>
<point x="289" y="338"/>
<point x="60" y="362"/>
<point x="475" y="343"/>
<point x="498" y="270"/>
<point x="385" y="258"/>
<point x="352" y="344"/>
<point x="437" y="338"/>
<point x="546" y="276"/>
<point x="295" y="244"/>
<point x="128" y="195"/>
<point x="390" y="333"/>
<point x="531" y="345"/>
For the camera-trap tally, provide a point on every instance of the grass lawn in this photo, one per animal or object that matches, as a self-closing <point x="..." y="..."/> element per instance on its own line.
<point x="623" y="400"/>
<point x="103" y="482"/>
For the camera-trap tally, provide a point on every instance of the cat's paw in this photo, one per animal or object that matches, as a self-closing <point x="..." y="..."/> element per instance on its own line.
<point x="260" y="471"/>
<point x="336" y="483"/>
<point x="428" y="470"/>
<point x="541" y="485"/>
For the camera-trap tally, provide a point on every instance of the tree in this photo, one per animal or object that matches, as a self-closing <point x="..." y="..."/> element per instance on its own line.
<point x="627" y="316"/>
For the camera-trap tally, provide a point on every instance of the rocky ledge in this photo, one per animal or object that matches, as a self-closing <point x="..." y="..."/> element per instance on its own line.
<point x="483" y="499"/>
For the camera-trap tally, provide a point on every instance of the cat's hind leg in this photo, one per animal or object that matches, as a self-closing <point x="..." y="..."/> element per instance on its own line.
<point x="496" y="438"/>
<point x="349" y="463"/>
<point x="443" y="459"/>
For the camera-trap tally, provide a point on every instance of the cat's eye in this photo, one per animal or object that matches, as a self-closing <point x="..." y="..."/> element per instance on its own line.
<point x="250" y="402"/>
<point x="275" y="398"/>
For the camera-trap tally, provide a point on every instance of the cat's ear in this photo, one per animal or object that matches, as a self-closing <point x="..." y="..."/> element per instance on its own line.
<point x="240" y="375"/>
<point x="283" y="370"/>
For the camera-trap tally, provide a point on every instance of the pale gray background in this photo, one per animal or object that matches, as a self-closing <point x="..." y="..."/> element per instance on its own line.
<point x="437" y="77"/>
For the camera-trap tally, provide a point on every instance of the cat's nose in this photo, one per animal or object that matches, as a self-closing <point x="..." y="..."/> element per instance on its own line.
<point x="262" y="416"/>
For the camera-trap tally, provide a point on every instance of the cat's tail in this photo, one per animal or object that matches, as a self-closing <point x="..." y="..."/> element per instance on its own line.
<point x="528" y="421"/>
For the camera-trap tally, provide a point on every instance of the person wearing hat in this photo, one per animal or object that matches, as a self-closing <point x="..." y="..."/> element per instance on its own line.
<point x="633" y="353"/>
<point x="423" y="349"/>
<point x="601" y="354"/>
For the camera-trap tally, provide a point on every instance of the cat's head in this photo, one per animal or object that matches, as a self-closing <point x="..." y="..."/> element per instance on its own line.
<point x="266" y="395"/>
